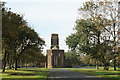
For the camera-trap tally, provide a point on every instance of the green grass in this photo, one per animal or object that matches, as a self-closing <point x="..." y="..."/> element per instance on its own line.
<point x="25" y="74"/>
<point x="41" y="73"/>
<point x="113" y="75"/>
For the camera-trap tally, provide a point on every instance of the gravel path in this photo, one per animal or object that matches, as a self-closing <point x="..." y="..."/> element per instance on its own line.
<point x="65" y="74"/>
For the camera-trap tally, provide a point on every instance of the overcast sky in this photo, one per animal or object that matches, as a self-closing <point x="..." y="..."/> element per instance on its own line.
<point x="48" y="16"/>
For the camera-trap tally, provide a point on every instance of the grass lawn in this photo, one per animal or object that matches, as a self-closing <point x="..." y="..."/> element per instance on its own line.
<point x="113" y="75"/>
<point x="41" y="73"/>
<point x="25" y="74"/>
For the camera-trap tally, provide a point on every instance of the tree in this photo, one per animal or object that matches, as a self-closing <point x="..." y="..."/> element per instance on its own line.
<point x="72" y="58"/>
<point x="89" y="40"/>
<point x="72" y="41"/>
<point x="20" y="38"/>
<point x="33" y="56"/>
<point x="105" y="16"/>
<point x="98" y="28"/>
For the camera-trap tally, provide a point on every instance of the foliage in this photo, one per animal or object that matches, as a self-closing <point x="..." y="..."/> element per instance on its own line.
<point x="72" y="58"/>
<point x="18" y="38"/>
<point x="95" y="32"/>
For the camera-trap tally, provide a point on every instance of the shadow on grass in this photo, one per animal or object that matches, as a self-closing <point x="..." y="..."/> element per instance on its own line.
<point x="22" y="74"/>
<point x="80" y="79"/>
<point x="33" y="70"/>
<point x="30" y="73"/>
<point x="57" y="79"/>
<point x="23" y="79"/>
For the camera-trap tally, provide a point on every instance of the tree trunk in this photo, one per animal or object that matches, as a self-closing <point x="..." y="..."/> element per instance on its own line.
<point x="15" y="64"/>
<point x="4" y="65"/>
<point x="106" y="66"/>
<point x="98" y="35"/>
<point x="115" y="64"/>
<point x="118" y="64"/>
<point x="119" y="61"/>
<point x="26" y="64"/>
<point x="4" y="62"/>
<point x="97" y="67"/>
<point x="10" y="64"/>
<point x="33" y="64"/>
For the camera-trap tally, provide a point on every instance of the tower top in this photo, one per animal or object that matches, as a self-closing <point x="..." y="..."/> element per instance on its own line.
<point x="54" y="41"/>
<point x="54" y="34"/>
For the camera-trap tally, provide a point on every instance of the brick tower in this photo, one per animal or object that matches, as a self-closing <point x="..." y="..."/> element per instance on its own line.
<point x="55" y="56"/>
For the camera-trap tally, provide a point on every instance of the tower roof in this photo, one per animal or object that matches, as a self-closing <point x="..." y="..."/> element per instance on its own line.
<point x="54" y="34"/>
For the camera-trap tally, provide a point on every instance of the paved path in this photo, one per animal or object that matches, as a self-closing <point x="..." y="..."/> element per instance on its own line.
<point x="65" y="74"/>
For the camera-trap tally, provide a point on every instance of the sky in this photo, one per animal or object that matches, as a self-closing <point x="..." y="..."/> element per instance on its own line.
<point x="48" y="16"/>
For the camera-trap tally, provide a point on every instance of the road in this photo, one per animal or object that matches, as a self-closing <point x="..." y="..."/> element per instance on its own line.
<point x="65" y="74"/>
